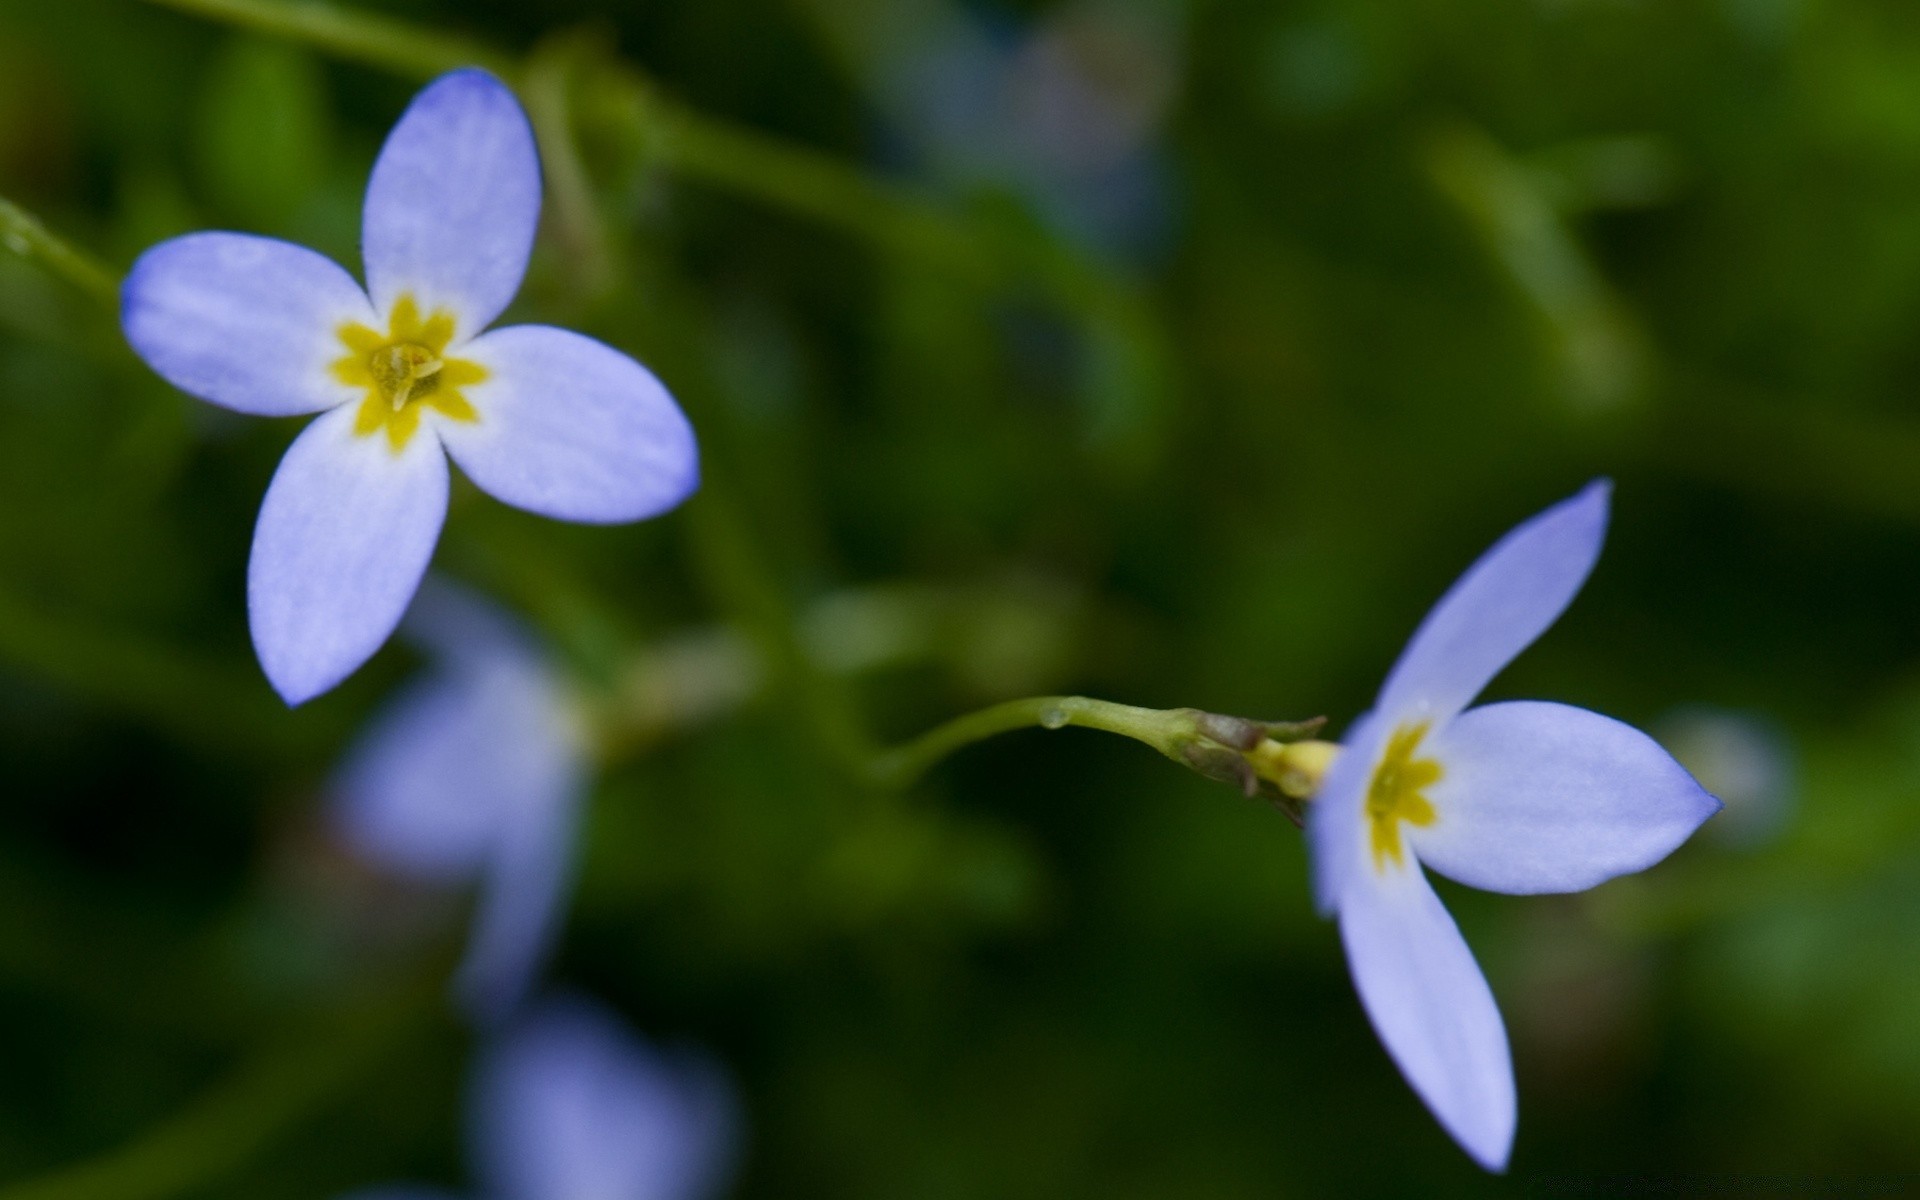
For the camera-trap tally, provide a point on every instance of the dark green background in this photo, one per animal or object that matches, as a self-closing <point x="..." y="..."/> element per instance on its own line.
<point x="1426" y="266"/>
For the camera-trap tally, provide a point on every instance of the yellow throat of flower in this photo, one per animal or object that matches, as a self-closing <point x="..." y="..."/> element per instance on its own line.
<point x="1397" y="793"/>
<point x="404" y="369"/>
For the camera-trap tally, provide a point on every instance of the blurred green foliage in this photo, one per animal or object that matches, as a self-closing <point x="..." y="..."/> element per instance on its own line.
<point x="1412" y="269"/>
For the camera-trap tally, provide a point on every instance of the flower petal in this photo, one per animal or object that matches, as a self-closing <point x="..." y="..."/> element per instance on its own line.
<point x="475" y="774"/>
<point x="1551" y="798"/>
<point x="401" y="1192"/>
<point x="572" y="428"/>
<point x="1432" y="1008"/>
<point x="426" y="789"/>
<point x="569" y="1103"/>
<point x="247" y="323"/>
<point x="405" y="797"/>
<point x="344" y="535"/>
<point x="453" y="202"/>
<point x="1496" y="610"/>
<point x="529" y="873"/>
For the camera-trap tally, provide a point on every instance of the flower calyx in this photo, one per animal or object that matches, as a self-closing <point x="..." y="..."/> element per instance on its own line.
<point x="1282" y="761"/>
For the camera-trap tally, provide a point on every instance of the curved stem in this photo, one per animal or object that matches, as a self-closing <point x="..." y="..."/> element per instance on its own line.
<point x="371" y="38"/>
<point x="22" y="233"/>
<point x="1162" y="729"/>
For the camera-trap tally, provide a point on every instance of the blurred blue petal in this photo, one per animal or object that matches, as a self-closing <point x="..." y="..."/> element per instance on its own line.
<point x="344" y="535"/>
<point x="474" y="776"/>
<point x="615" y="447"/>
<point x="1550" y="798"/>
<point x="243" y="322"/>
<point x="1494" y="611"/>
<point x="570" y="1104"/>
<point x="523" y="898"/>
<point x="453" y="202"/>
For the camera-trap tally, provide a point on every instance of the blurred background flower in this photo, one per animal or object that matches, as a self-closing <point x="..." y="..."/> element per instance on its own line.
<point x="569" y="1105"/>
<point x="473" y="776"/>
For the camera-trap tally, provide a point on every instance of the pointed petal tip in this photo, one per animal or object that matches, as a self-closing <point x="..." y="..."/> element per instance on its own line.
<point x="293" y="685"/>
<point x="1595" y="499"/>
<point x="1492" y="1159"/>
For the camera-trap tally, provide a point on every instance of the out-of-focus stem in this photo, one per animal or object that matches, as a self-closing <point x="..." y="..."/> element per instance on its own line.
<point x="378" y="41"/>
<point x="23" y="234"/>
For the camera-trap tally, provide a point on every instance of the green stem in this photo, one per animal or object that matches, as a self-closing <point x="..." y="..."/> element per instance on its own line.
<point x="23" y="234"/>
<point x="369" y="38"/>
<point x="1166" y="730"/>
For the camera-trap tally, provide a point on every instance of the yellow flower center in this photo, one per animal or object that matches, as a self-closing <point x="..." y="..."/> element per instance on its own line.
<point x="404" y="369"/>
<point x="1397" y="793"/>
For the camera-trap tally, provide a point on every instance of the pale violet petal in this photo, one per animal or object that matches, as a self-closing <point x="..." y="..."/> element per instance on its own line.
<point x="1541" y="797"/>
<point x="248" y="323"/>
<point x="453" y="202"/>
<point x="1432" y="1008"/>
<point x="529" y="874"/>
<point x="570" y="1103"/>
<point x="343" y="538"/>
<point x="1494" y="611"/>
<point x="401" y="1192"/>
<point x="428" y="789"/>
<point x="1337" y="831"/>
<point x="572" y="428"/>
<point x="474" y="776"/>
<point x="406" y="797"/>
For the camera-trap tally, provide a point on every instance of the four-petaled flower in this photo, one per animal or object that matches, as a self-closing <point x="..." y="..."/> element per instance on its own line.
<point x="1521" y="797"/>
<point x="542" y="418"/>
<point x="570" y="1105"/>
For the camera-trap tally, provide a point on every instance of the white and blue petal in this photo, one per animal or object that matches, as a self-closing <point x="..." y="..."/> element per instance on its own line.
<point x="1430" y="1004"/>
<point x="453" y="202"/>
<point x="571" y="428"/>
<point x="1539" y="797"/>
<point x="1494" y="611"/>
<point x="569" y="1103"/>
<point x="344" y="535"/>
<point x="248" y="323"/>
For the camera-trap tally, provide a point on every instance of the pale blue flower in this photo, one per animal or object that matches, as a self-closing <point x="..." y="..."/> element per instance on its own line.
<point x="475" y="777"/>
<point x="542" y="418"/>
<point x="1522" y="797"/>
<point x="1064" y="112"/>
<point x="570" y="1105"/>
